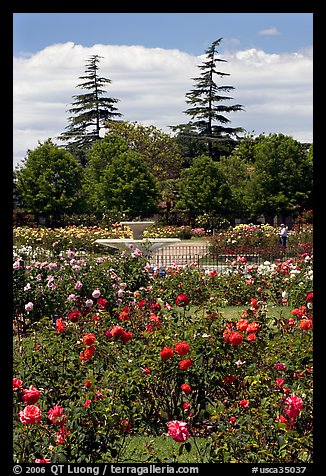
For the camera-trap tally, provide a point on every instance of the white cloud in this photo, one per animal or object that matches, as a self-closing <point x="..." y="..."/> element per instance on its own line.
<point x="273" y="31"/>
<point x="150" y="83"/>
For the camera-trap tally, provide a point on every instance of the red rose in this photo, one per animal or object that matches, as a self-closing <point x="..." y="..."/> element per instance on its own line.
<point x="253" y="327"/>
<point x="235" y="338"/>
<point x="186" y="388"/>
<point x="124" y="316"/>
<point x="74" y="316"/>
<point x="117" y="331"/>
<point x="244" y="403"/>
<point x="242" y="324"/>
<point x="89" y="339"/>
<point x="56" y="415"/>
<point x="251" y="337"/>
<point x="182" y="300"/>
<point x="178" y="430"/>
<point x="102" y="303"/>
<point x="88" y="353"/>
<point x="182" y="348"/>
<point x="16" y="384"/>
<point x="31" y="395"/>
<point x="125" y="425"/>
<point x="166" y="353"/>
<point x="126" y="336"/>
<point x="185" y="364"/>
<point x="305" y="324"/>
<point x="310" y="297"/>
<point x="60" y="325"/>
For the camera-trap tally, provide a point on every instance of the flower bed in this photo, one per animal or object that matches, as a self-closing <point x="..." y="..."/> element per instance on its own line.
<point x="106" y="350"/>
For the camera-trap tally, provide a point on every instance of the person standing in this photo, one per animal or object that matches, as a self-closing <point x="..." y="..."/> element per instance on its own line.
<point x="283" y="235"/>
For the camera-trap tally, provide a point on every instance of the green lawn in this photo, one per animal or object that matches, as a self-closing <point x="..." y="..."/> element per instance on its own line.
<point x="163" y="449"/>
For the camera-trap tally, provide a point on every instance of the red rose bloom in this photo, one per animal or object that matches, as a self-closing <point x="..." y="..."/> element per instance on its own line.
<point x="16" y="384"/>
<point x="305" y="324"/>
<point x="117" y="331"/>
<point x="235" y="338"/>
<point x="182" y="348"/>
<point x="186" y="388"/>
<point x="125" y="425"/>
<point x="56" y="415"/>
<point x="182" y="300"/>
<point x="310" y="297"/>
<point x="124" y="316"/>
<point x="244" y="403"/>
<point x="60" y="325"/>
<point x="178" y="430"/>
<point x="251" y="337"/>
<point x="89" y="339"/>
<point x="242" y="325"/>
<point x="126" y="336"/>
<point x="253" y="327"/>
<point x="185" y="364"/>
<point x="88" y="353"/>
<point x="74" y="316"/>
<point x="142" y="304"/>
<point x="31" y="395"/>
<point x="166" y="353"/>
<point x="102" y="303"/>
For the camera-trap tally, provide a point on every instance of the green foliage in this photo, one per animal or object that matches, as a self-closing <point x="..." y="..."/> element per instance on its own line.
<point x="282" y="182"/>
<point x="128" y="186"/>
<point x="203" y="189"/>
<point x="49" y="181"/>
<point x="158" y="149"/>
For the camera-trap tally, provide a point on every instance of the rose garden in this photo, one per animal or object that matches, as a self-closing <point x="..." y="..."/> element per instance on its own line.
<point x="117" y="361"/>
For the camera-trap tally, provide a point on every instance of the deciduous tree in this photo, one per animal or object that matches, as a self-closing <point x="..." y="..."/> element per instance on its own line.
<point x="49" y="181"/>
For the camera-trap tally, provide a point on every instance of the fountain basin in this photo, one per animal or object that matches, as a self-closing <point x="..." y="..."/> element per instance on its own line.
<point x="137" y="227"/>
<point x="145" y="244"/>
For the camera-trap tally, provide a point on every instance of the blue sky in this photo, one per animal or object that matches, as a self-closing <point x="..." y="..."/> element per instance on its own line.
<point x="151" y="59"/>
<point x="189" y="32"/>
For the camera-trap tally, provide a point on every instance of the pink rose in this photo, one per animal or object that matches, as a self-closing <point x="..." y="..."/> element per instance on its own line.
<point x="178" y="430"/>
<point x="30" y="415"/>
<point x="16" y="384"/>
<point x="56" y="415"/>
<point x="294" y="406"/>
<point x="29" y="306"/>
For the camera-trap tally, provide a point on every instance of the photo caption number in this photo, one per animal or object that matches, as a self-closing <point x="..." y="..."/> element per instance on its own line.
<point x="35" y="469"/>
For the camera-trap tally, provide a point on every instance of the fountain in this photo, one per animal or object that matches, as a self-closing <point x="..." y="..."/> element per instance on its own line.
<point x="146" y="245"/>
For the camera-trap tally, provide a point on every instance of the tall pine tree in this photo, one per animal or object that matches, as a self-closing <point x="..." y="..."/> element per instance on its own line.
<point x="89" y="111"/>
<point x="207" y="100"/>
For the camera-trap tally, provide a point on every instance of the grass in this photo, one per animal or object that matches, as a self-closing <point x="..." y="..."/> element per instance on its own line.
<point x="163" y="449"/>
